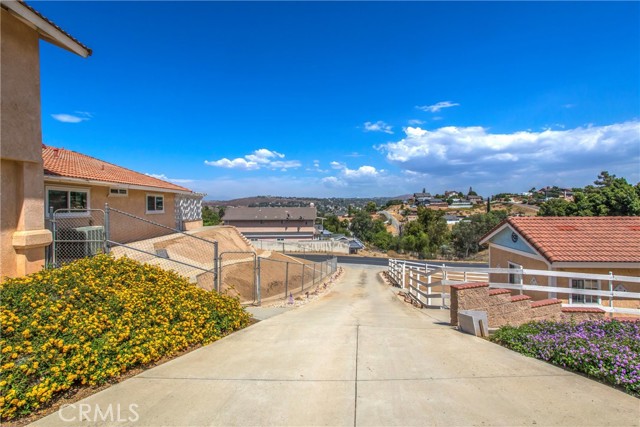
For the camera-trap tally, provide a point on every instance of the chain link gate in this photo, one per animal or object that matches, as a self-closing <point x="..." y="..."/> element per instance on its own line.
<point x="77" y="233"/>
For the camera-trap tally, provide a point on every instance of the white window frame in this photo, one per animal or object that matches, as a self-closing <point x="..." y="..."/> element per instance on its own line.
<point x="581" y="299"/>
<point x="118" y="194"/>
<point x="146" y="204"/>
<point x="68" y="190"/>
<point x="515" y="278"/>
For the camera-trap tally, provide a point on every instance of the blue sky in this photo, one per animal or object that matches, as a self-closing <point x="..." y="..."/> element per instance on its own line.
<point x="349" y="99"/>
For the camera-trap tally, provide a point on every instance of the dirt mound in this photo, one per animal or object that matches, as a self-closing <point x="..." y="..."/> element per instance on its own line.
<point x="238" y="263"/>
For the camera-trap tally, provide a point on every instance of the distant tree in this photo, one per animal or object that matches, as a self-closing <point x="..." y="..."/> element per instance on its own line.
<point x="393" y="202"/>
<point x="382" y="240"/>
<point x="371" y="207"/>
<point x="556" y="207"/>
<point x="610" y="196"/>
<point x="333" y="224"/>
<point x="471" y="192"/>
<point x="210" y="217"/>
<point x="424" y="190"/>
<point x="466" y="235"/>
<point x="488" y="204"/>
<point x="362" y="225"/>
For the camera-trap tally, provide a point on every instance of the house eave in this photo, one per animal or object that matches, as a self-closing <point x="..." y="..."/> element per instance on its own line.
<point x="82" y="181"/>
<point x="45" y="28"/>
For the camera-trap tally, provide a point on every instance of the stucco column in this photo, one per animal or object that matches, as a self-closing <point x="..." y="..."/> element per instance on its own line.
<point x="30" y="238"/>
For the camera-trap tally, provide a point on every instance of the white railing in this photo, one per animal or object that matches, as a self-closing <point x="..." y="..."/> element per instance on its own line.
<point x="428" y="284"/>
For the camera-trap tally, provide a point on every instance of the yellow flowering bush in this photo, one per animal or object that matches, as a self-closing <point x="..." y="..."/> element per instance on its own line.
<point x="93" y="320"/>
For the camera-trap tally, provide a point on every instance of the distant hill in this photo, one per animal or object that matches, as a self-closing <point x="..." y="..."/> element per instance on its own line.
<point x="276" y="201"/>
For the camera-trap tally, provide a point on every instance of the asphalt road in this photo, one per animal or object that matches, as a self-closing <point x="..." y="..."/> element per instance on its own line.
<point x="350" y="259"/>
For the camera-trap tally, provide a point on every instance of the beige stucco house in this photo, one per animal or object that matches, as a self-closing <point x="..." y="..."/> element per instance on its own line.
<point x="277" y="224"/>
<point x="23" y="236"/>
<point x="75" y="181"/>
<point x="593" y="245"/>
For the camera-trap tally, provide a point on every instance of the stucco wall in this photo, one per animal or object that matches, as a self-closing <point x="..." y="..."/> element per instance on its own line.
<point x="604" y="285"/>
<point x="23" y="236"/>
<point x="20" y="101"/>
<point x="124" y="229"/>
<point x="499" y="258"/>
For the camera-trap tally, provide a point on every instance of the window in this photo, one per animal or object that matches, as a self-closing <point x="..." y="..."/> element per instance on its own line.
<point x="67" y="198"/>
<point x="118" y="192"/>
<point x="515" y="278"/>
<point x="585" y="284"/>
<point x="155" y="203"/>
<point x="280" y="239"/>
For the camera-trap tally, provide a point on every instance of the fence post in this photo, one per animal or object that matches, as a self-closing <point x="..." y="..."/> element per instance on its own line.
<point x="216" y="283"/>
<point x="258" y="296"/>
<point x="611" y="293"/>
<point x="53" y="233"/>
<point x="302" y="277"/>
<point x="314" y="274"/>
<point x="286" y="280"/>
<point x="442" y="288"/>
<point x="404" y="265"/>
<point x="521" y="279"/>
<point x="107" y="228"/>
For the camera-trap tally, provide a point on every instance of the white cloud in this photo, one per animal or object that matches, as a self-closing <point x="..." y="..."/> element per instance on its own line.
<point x="437" y="107"/>
<point x="527" y="157"/>
<point x="364" y="176"/>
<point x="378" y="126"/>
<point x="261" y="158"/>
<point x="415" y="122"/>
<point x="70" y="118"/>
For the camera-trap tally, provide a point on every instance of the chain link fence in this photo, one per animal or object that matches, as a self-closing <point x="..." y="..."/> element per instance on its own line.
<point x="281" y="279"/>
<point x="150" y="242"/>
<point x="84" y="233"/>
<point x="238" y="275"/>
<point x="77" y="233"/>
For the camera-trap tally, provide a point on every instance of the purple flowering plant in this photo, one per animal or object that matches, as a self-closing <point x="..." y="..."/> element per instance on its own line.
<point x="608" y="350"/>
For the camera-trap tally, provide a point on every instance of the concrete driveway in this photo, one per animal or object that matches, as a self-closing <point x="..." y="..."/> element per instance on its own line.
<point x="358" y="356"/>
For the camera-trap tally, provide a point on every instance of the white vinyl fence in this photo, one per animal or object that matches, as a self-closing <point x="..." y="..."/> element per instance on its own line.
<point x="429" y="284"/>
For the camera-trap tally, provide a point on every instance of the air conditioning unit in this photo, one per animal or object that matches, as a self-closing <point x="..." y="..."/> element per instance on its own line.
<point x="93" y="237"/>
<point x="80" y="242"/>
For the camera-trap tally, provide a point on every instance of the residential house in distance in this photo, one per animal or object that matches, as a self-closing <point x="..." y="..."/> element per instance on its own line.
<point x="595" y="245"/>
<point x="76" y="181"/>
<point x="23" y="236"/>
<point x="278" y="224"/>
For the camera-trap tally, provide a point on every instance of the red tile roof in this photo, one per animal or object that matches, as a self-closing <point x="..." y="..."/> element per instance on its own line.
<point x="582" y="239"/>
<point x="59" y="162"/>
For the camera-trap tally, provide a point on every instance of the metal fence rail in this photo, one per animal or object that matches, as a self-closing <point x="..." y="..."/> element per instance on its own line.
<point x="428" y="284"/>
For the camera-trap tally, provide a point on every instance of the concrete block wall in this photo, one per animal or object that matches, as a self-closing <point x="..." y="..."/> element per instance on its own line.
<point x="504" y="309"/>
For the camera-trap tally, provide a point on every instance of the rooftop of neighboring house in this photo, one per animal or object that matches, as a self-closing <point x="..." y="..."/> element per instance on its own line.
<point x="421" y="195"/>
<point x="46" y="28"/>
<point x="578" y="239"/>
<point x="249" y="214"/>
<point x="71" y="166"/>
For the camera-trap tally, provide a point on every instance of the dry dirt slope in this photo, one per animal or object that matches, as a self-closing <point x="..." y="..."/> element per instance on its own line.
<point x="237" y="254"/>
